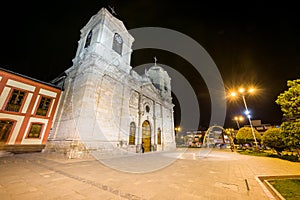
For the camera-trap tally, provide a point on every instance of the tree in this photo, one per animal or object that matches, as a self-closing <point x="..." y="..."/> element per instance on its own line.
<point x="291" y="132"/>
<point x="289" y="102"/>
<point x="273" y="138"/>
<point x="245" y="136"/>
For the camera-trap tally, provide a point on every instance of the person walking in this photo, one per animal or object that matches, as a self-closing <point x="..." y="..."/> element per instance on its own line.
<point x="142" y="147"/>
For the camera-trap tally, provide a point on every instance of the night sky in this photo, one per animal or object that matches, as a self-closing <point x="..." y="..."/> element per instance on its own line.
<point x="250" y="42"/>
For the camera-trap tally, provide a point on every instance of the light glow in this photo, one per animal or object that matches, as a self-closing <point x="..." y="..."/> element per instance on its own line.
<point x="241" y="90"/>
<point x="251" y="90"/>
<point x="233" y="94"/>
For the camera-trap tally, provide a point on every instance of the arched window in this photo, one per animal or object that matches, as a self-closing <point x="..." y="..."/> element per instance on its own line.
<point x="158" y="136"/>
<point x="118" y="43"/>
<point x="88" y="39"/>
<point x="132" y="134"/>
<point x="147" y="109"/>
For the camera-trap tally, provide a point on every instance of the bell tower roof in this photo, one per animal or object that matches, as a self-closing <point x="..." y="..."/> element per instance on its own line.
<point x="105" y="37"/>
<point x="105" y="17"/>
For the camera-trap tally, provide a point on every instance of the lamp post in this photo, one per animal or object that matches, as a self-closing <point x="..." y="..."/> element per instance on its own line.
<point x="237" y="119"/>
<point x="242" y="92"/>
<point x="177" y="129"/>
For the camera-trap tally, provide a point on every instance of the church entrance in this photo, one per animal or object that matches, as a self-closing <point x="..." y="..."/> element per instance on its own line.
<point x="146" y="135"/>
<point x="5" y="129"/>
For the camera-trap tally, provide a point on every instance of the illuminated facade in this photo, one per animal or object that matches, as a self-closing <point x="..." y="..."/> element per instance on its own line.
<point x="106" y="105"/>
<point x="27" y="110"/>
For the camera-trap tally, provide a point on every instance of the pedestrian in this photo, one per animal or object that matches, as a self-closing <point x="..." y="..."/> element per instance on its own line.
<point x="143" y="148"/>
<point x="232" y="147"/>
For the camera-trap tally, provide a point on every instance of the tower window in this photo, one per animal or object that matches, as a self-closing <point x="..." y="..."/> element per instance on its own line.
<point x="117" y="43"/>
<point x="88" y="39"/>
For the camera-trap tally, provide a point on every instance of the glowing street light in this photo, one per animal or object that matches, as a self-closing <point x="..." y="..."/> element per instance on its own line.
<point x="237" y="119"/>
<point x="242" y="91"/>
<point x="177" y="128"/>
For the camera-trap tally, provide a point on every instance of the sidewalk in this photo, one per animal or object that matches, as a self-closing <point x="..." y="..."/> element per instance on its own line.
<point x="190" y="174"/>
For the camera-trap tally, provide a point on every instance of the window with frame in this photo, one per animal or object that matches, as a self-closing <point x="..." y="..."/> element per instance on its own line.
<point x="5" y="129"/>
<point x="88" y="39"/>
<point x="15" y="102"/>
<point x="35" y="131"/>
<point x="43" y="106"/>
<point x="132" y="134"/>
<point x="158" y="136"/>
<point x="117" y="43"/>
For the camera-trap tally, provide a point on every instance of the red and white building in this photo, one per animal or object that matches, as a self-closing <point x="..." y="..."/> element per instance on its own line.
<point x="27" y="111"/>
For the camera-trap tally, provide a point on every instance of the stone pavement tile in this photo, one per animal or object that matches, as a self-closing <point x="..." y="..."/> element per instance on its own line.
<point x="6" y="196"/>
<point x="221" y="175"/>
<point x="160" y="181"/>
<point x="28" y="195"/>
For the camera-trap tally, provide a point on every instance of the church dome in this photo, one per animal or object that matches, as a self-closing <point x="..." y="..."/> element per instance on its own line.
<point x="160" y="79"/>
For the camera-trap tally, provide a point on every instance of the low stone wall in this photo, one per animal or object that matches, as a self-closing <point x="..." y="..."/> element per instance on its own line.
<point x="22" y="148"/>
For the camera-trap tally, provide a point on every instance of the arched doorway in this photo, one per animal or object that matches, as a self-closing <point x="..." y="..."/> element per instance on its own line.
<point x="146" y="135"/>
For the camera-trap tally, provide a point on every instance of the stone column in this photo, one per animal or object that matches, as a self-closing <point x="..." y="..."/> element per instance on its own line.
<point x="140" y="106"/>
<point x="154" y="127"/>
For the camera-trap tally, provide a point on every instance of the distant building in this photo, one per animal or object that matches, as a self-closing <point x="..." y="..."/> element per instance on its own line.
<point x="261" y="128"/>
<point x="27" y="110"/>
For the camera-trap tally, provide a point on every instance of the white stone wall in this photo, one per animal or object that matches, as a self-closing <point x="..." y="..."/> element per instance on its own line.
<point x="102" y="97"/>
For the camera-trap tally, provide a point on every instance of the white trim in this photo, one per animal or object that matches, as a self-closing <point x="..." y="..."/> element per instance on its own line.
<point x="20" y="85"/>
<point x="4" y="96"/>
<point x="42" y="134"/>
<point x="48" y="93"/>
<point x="52" y="105"/>
<point x="18" y="120"/>
<point x="35" y="104"/>
<point x="27" y="103"/>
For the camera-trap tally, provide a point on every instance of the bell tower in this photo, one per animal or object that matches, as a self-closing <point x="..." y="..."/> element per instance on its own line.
<point x="92" y="85"/>
<point x="105" y="37"/>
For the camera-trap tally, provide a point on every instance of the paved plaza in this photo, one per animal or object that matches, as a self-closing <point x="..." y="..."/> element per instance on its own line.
<point x="184" y="174"/>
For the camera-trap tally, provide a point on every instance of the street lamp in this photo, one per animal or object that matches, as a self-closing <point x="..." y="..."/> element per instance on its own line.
<point x="237" y="119"/>
<point x="242" y="91"/>
<point x="177" y="129"/>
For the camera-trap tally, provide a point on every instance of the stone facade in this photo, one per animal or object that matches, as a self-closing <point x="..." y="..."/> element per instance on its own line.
<point x="105" y="104"/>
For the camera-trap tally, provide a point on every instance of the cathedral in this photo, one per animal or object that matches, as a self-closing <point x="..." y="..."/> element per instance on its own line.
<point x="106" y="105"/>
